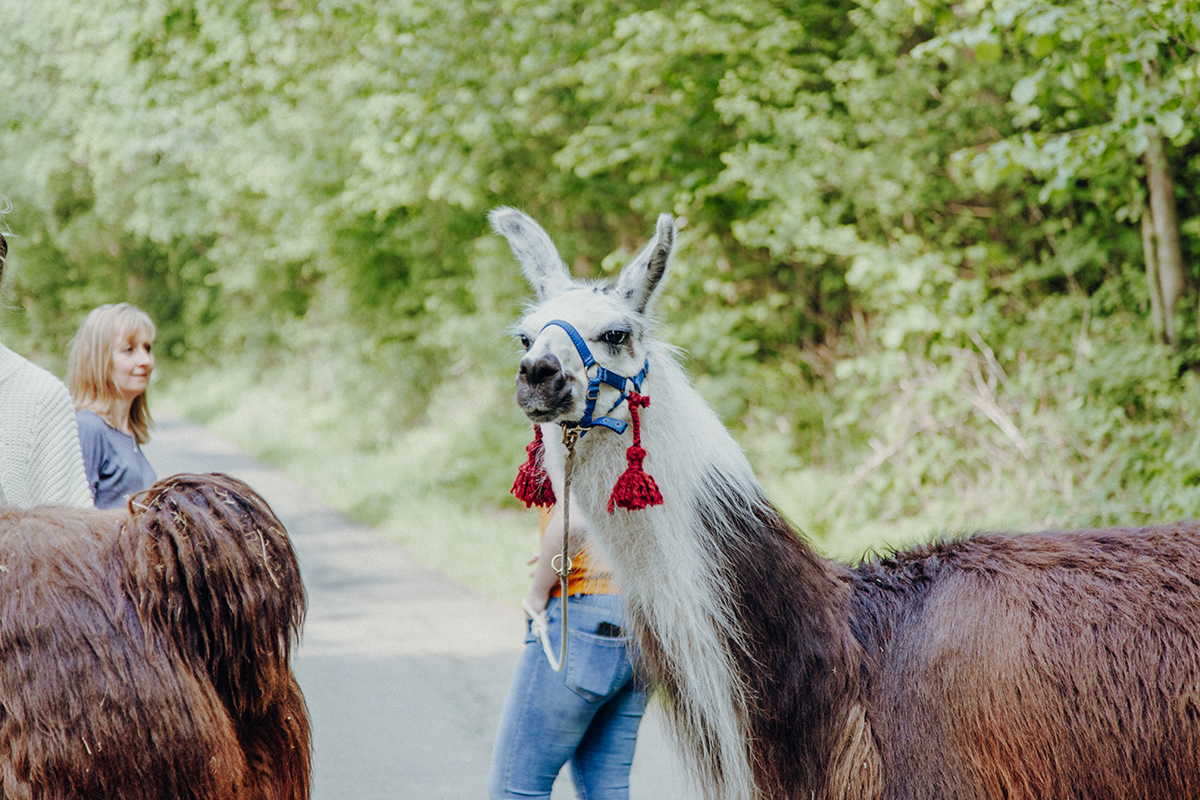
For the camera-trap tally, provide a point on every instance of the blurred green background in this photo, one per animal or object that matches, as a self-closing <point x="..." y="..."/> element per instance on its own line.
<point x="937" y="273"/>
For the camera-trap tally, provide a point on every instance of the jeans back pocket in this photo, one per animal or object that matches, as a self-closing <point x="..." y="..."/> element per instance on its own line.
<point x="597" y="666"/>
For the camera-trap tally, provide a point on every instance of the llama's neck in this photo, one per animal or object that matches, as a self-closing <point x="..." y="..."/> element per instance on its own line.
<point x="719" y="589"/>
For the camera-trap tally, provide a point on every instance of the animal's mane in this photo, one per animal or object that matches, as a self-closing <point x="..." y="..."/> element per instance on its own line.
<point x="221" y="546"/>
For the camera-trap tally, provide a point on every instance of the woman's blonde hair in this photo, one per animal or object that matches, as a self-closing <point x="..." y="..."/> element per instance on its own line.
<point x="89" y="369"/>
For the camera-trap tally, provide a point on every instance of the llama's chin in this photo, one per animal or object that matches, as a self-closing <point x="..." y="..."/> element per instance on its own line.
<point x="538" y="416"/>
<point x="540" y="408"/>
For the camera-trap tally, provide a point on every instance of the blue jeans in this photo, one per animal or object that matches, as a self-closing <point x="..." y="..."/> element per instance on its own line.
<point x="587" y="714"/>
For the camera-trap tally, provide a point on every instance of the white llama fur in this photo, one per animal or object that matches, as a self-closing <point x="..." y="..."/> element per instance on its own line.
<point x="671" y="575"/>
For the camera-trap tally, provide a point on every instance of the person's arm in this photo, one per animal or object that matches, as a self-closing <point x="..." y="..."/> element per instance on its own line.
<point x="56" y="474"/>
<point x="544" y="576"/>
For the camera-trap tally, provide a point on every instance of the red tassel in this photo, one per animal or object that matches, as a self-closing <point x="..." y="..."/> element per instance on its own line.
<point x="532" y="486"/>
<point x="635" y="488"/>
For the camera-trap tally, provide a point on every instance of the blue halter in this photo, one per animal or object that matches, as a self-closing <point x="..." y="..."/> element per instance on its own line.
<point x="603" y="375"/>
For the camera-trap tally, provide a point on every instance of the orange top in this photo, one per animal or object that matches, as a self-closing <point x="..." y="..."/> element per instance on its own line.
<point x="584" y="578"/>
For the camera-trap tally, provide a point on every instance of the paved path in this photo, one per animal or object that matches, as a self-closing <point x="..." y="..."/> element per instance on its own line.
<point x="403" y="669"/>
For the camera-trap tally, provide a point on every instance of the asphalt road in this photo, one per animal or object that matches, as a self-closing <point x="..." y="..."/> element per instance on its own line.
<point x="404" y="670"/>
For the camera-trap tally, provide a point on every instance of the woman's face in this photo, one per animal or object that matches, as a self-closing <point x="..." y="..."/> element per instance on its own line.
<point x="132" y="363"/>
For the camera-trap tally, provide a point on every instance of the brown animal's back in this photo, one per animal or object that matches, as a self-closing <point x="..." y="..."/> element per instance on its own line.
<point x="79" y="705"/>
<point x="145" y="656"/>
<point x="1051" y="665"/>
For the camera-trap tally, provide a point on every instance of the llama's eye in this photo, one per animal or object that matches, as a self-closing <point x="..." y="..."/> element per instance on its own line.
<point x="615" y="338"/>
<point x="525" y="341"/>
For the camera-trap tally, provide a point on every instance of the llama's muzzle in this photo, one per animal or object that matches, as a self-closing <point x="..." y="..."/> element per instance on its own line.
<point x="543" y="389"/>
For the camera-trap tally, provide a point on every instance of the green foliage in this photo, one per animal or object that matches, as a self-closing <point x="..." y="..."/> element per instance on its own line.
<point x="910" y="274"/>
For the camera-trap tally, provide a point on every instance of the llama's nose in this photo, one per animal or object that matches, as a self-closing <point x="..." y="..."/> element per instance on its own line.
<point x="538" y="371"/>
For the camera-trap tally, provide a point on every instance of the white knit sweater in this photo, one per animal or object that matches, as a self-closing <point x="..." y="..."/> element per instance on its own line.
<point x="40" y="459"/>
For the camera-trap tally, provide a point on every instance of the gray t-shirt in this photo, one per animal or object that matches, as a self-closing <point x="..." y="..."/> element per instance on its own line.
<point x="115" y="465"/>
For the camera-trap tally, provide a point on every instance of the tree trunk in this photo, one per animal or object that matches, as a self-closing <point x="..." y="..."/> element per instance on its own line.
<point x="1148" y="250"/>
<point x="1165" y="223"/>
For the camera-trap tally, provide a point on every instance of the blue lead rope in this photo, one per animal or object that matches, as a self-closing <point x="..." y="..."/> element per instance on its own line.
<point x="603" y="375"/>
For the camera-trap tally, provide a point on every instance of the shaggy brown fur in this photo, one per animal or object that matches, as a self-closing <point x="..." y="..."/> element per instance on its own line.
<point x="144" y="655"/>
<point x="1053" y="665"/>
<point x="1059" y="665"/>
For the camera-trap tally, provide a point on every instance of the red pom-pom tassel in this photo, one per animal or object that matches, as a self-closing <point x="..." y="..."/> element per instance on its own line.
<point x="532" y="486"/>
<point x="635" y="488"/>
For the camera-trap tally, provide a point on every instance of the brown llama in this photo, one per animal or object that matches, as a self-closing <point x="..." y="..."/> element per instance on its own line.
<point x="145" y="654"/>
<point x="1047" y="666"/>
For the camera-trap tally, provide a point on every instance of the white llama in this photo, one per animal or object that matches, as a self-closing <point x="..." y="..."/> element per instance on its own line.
<point x="1036" y="666"/>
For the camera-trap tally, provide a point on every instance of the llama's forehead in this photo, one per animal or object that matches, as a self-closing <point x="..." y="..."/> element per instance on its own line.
<point x="592" y="310"/>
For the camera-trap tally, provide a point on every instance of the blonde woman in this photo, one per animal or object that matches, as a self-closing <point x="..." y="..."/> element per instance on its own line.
<point x="108" y="371"/>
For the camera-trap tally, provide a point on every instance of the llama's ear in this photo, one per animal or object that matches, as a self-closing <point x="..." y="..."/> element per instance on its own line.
<point x="641" y="275"/>
<point x="533" y="248"/>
